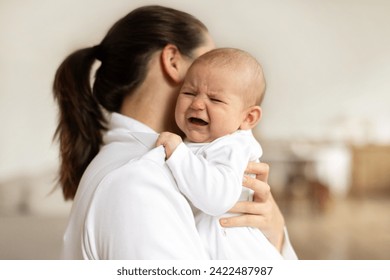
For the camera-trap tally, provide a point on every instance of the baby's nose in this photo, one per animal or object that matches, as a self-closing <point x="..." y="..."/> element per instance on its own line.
<point x="198" y="103"/>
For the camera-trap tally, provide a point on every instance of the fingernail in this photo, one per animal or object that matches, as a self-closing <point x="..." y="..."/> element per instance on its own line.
<point x="223" y="221"/>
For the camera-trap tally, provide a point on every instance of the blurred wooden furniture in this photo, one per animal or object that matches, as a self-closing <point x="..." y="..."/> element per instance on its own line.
<point x="370" y="169"/>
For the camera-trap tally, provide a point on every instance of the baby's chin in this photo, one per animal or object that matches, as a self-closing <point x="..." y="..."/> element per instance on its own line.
<point x="196" y="138"/>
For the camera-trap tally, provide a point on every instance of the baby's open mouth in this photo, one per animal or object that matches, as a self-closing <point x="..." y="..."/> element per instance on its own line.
<point x="198" y="121"/>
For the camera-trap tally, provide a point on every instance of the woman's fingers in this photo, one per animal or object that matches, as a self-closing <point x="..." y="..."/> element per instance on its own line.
<point x="262" y="212"/>
<point x="243" y="221"/>
<point x="260" y="169"/>
<point x="263" y="215"/>
<point x="261" y="189"/>
<point x="259" y="184"/>
<point x="249" y="207"/>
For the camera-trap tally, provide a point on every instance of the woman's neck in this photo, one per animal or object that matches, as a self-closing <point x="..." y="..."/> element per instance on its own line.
<point x="153" y="111"/>
<point x="153" y="102"/>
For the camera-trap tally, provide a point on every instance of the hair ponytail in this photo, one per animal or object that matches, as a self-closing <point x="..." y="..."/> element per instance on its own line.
<point x="81" y="120"/>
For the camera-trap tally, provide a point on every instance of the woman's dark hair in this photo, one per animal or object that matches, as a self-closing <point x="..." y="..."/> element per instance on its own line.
<point x="124" y="54"/>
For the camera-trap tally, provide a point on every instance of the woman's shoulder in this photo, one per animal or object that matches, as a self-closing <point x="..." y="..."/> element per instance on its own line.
<point x="140" y="173"/>
<point x="139" y="184"/>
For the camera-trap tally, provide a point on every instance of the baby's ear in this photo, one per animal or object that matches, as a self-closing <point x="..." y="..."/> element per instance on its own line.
<point x="252" y="117"/>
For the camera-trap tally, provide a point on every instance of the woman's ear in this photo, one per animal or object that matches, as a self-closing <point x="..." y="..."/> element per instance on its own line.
<point x="251" y="118"/>
<point x="173" y="63"/>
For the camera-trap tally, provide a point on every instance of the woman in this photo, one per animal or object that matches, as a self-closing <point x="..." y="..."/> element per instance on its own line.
<point x="126" y="203"/>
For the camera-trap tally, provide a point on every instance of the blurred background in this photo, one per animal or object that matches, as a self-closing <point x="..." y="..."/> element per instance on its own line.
<point x="326" y="121"/>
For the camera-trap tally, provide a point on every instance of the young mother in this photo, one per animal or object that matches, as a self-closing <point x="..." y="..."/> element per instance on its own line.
<point x="126" y="202"/>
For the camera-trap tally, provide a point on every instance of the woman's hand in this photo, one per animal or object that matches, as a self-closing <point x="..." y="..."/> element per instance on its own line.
<point x="262" y="212"/>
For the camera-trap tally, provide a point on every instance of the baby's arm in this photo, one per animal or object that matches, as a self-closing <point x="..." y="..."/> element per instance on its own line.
<point x="212" y="179"/>
<point x="170" y="141"/>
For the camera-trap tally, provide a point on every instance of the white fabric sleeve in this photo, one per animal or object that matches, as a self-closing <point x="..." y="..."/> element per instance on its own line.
<point x="287" y="251"/>
<point x="212" y="181"/>
<point x="142" y="216"/>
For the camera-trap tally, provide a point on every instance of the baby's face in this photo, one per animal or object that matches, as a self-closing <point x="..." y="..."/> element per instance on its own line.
<point x="210" y="104"/>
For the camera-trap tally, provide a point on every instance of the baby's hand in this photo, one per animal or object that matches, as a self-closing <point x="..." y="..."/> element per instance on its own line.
<point x="170" y="141"/>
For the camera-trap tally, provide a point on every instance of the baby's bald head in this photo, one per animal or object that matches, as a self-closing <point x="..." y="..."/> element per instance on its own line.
<point x="243" y="66"/>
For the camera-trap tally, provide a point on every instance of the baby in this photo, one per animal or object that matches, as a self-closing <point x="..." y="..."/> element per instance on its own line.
<point x="218" y="105"/>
